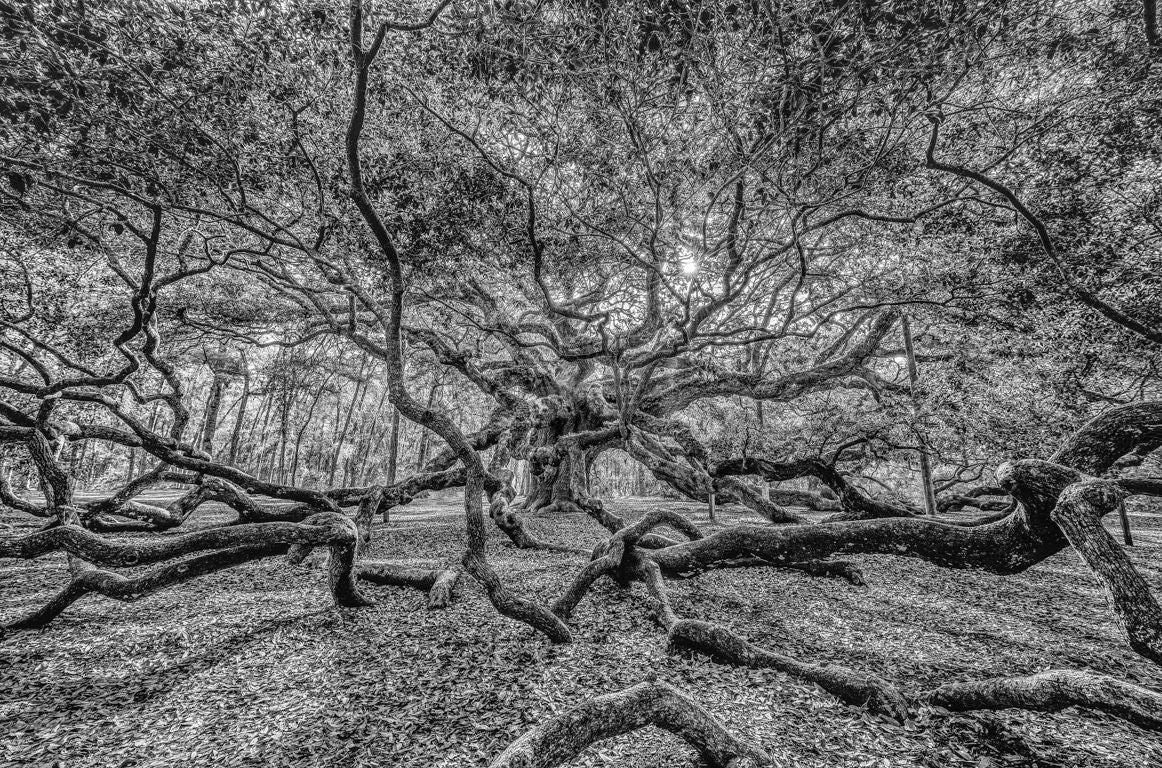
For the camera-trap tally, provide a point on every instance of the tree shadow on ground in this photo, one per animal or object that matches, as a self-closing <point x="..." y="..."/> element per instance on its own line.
<point x="45" y="694"/>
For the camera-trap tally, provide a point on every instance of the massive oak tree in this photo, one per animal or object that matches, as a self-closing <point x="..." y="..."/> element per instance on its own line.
<point x="603" y="226"/>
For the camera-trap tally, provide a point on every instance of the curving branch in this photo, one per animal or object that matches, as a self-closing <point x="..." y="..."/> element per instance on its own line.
<point x="234" y="545"/>
<point x="118" y="587"/>
<point x="649" y="703"/>
<point x="616" y="557"/>
<point x="686" y="389"/>
<point x="1080" y="292"/>
<point x="391" y="318"/>
<point x="1052" y="691"/>
<point x="854" y="687"/>
<point x="1096" y="447"/>
<point x="854" y="504"/>
<point x="1078" y="513"/>
<point x="439" y="583"/>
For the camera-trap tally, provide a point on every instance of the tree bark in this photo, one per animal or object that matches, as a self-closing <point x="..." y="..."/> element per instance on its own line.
<point x="213" y="405"/>
<point x="1078" y="513"/>
<point x="1100" y="442"/>
<point x="857" y="688"/>
<point x="927" y="486"/>
<point x="648" y="703"/>
<point x="438" y="583"/>
<point x="243" y="400"/>
<point x="1052" y="691"/>
<point x="234" y="545"/>
<point x="393" y="447"/>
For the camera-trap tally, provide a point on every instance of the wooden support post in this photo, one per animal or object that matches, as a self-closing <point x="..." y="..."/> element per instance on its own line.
<point x="711" y="506"/>
<point x="1129" y="537"/>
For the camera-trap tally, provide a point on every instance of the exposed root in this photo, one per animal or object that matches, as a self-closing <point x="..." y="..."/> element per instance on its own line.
<point x="789" y="497"/>
<point x="475" y="562"/>
<point x="1052" y="691"/>
<point x="645" y="704"/>
<point x="615" y="557"/>
<point x="369" y="504"/>
<point x="609" y="521"/>
<point x="986" y="498"/>
<point x="119" y="512"/>
<point x="663" y="606"/>
<point x="443" y="589"/>
<point x="515" y="607"/>
<point x="632" y="534"/>
<point x="1006" y="546"/>
<point x="869" y="511"/>
<point x="595" y="508"/>
<point x="111" y="553"/>
<point x="150" y="516"/>
<point x="752" y="499"/>
<point x="853" y="502"/>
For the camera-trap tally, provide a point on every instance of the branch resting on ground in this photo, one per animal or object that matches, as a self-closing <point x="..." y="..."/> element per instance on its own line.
<point x="649" y="703"/>
<point x="234" y="546"/>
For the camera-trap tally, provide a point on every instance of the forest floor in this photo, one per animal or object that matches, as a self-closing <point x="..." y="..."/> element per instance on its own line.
<point x="253" y="666"/>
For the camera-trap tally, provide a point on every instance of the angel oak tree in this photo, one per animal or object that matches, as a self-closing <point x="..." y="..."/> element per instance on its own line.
<point x="592" y="240"/>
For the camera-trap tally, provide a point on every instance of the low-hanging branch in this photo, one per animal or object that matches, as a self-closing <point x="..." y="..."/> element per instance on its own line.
<point x="854" y="503"/>
<point x="230" y="547"/>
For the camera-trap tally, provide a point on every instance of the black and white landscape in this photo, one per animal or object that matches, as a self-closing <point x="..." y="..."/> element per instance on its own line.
<point x="657" y="383"/>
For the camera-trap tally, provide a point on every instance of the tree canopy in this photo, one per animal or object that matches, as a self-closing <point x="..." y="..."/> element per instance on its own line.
<point x="312" y="260"/>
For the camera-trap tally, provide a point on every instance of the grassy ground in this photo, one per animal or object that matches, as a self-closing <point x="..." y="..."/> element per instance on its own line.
<point x="253" y="667"/>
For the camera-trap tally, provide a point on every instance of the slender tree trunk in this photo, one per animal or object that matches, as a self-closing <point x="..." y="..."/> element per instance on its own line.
<point x="330" y="462"/>
<point x="1079" y="514"/>
<point x="213" y="406"/>
<point x="257" y="452"/>
<point x="303" y="429"/>
<point x="242" y="402"/>
<point x="422" y="453"/>
<point x="283" y="433"/>
<point x="914" y="380"/>
<point x="356" y="402"/>
<point x="393" y="446"/>
<point x="367" y="443"/>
